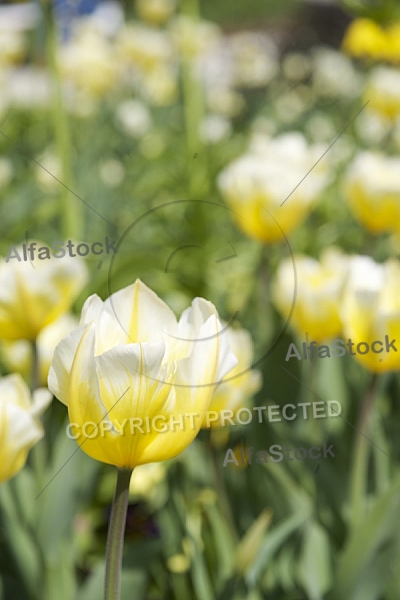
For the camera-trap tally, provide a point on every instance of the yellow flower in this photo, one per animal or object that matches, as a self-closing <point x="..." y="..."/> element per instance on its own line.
<point x="155" y="11"/>
<point x="393" y="42"/>
<point x="383" y="91"/>
<point x="88" y="61"/>
<point x="17" y="356"/>
<point x="257" y="185"/>
<point x="319" y="286"/>
<point x="20" y="428"/>
<point x="370" y="311"/>
<point x="243" y="382"/>
<point x="146" y="480"/>
<point x="193" y="36"/>
<point x="364" y="38"/>
<point x="145" y="48"/>
<point x="12" y="47"/>
<point x="372" y="188"/>
<point x="34" y="294"/>
<point x="136" y="371"/>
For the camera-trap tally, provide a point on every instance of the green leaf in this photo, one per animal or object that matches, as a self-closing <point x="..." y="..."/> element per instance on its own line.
<point x="250" y="544"/>
<point x="315" y="562"/>
<point x="274" y="540"/>
<point x="365" y="542"/>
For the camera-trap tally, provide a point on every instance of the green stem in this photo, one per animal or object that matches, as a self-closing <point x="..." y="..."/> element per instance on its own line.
<point x="222" y="493"/>
<point x="38" y="453"/>
<point x="71" y="213"/>
<point x="194" y="111"/>
<point x="35" y="377"/>
<point x="115" y="540"/>
<point x="361" y="454"/>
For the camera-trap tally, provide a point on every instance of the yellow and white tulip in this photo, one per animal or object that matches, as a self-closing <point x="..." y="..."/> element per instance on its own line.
<point x="372" y="188"/>
<point x="370" y="310"/>
<point x="17" y="356"/>
<point x="317" y="297"/>
<point x="20" y="428"/>
<point x="131" y="359"/>
<point x="242" y="381"/>
<point x="256" y="185"/>
<point x="33" y="295"/>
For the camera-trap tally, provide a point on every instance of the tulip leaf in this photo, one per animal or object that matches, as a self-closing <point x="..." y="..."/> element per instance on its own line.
<point x="74" y="480"/>
<point x="315" y="562"/>
<point x="272" y="543"/>
<point x="365" y="542"/>
<point x="250" y="544"/>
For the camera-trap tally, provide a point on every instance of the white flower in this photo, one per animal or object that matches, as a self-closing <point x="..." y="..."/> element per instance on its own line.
<point x="383" y="91"/>
<point x="28" y="87"/>
<point x="317" y="294"/>
<point x="89" y="62"/>
<point x="112" y="172"/>
<point x="334" y="74"/>
<point x="258" y="184"/>
<point x="18" y="357"/>
<point x="215" y="128"/>
<point x="192" y="36"/>
<point x="255" y="58"/>
<point x="372" y="188"/>
<point x="133" y="117"/>
<point x="131" y="358"/>
<point x="20" y="428"/>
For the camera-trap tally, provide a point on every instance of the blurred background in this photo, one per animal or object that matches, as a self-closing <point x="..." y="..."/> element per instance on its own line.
<point x="188" y="125"/>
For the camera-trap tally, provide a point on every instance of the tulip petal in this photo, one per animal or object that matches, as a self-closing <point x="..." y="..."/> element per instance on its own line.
<point x="142" y="314"/>
<point x="59" y="374"/>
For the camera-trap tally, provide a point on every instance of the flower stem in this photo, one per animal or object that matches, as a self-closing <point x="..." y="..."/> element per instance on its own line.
<point x="71" y="210"/>
<point x="35" y="382"/>
<point x="361" y="454"/>
<point x="115" y="540"/>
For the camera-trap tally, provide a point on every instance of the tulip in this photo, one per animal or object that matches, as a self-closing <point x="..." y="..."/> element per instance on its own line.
<point x="242" y="382"/>
<point x="318" y="290"/>
<point x="34" y="294"/>
<point x="364" y="38"/>
<point x="155" y="12"/>
<point x="139" y="362"/>
<point x="131" y="359"/>
<point x="18" y="356"/>
<point x="372" y="189"/>
<point x="20" y="428"/>
<point x="88" y="61"/>
<point x="370" y="311"/>
<point x="383" y="91"/>
<point x="147" y="481"/>
<point x="259" y="184"/>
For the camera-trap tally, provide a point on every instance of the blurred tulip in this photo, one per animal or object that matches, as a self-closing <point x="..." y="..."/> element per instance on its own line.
<point x="88" y="61"/>
<point x="370" y="311"/>
<point x="364" y="38"/>
<point x="259" y="182"/>
<point x="193" y="36"/>
<point x="319" y="286"/>
<point x="17" y="356"/>
<point x="372" y="188"/>
<point x="155" y="12"/>
<point x="20" y="428"/>
<point x="12" y="47"/>
<point x="146" y="480"/>
<point x="33" y="295"/>
<point x="145" y="48"/>
<point x="383" y="91"/>
<point x="141" y="365"/>
<point x="243" y="382"/>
